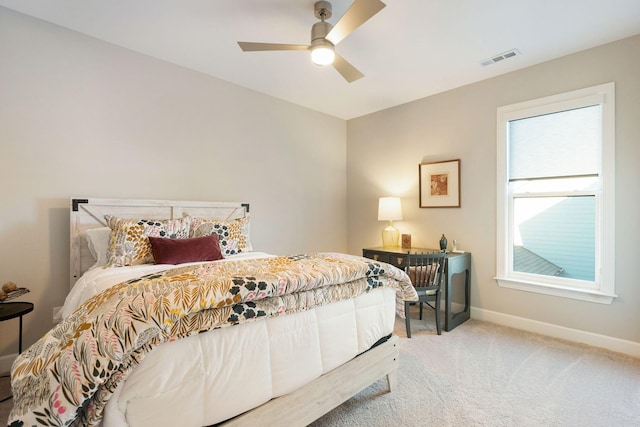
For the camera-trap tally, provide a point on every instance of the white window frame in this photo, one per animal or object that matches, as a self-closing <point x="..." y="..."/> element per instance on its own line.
<point x="602" y="289"/>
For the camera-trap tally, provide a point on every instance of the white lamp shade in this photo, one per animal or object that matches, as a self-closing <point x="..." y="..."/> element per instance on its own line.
<point x="389" y="209"/>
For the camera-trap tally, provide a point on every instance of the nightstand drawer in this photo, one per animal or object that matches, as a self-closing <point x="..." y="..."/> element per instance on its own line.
<point x="398" y="260"/>
<point x="375" y="255"/>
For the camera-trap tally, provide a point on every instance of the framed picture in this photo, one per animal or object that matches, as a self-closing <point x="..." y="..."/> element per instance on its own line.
<point x="440" y="184"/>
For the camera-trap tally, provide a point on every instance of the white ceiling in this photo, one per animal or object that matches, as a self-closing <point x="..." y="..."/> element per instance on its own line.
<point x="409" y="50"/>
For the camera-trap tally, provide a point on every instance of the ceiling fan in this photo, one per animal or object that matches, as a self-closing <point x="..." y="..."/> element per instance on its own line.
<point x="325" y="36"/>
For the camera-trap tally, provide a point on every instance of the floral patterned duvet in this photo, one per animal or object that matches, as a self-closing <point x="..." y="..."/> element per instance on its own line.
<point x="67" y="377"/>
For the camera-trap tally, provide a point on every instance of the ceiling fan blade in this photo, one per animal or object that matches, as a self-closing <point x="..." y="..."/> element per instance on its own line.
<point x="255" y="47"/>
<point x="348" y="71"/>
<point x="357" y="14"/>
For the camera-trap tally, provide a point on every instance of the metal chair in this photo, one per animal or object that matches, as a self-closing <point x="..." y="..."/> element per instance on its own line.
<point x="427" y="274"/>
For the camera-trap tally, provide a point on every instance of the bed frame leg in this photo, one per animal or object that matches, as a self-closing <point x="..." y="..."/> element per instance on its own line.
<point x="392" y="380"/>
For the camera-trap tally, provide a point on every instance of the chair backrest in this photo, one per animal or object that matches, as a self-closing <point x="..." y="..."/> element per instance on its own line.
<point x="426" y="270"/>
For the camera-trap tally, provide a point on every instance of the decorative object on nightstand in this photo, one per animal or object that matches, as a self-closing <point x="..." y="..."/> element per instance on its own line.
<point x="10" y="291"/>
<point x="443" y="243"/>
<point x="406" y="241"/>
<point x="456" y="249"/>
<point x="389" y="209"/>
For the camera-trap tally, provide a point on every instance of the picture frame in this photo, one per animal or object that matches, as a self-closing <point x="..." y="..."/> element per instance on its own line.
<point x="406" y="241"/>
<point x="440" y="184"/>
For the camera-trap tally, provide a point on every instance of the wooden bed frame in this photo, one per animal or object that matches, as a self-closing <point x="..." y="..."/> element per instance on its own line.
<point x="298" y="408"/>
<point x="307" y="404"/>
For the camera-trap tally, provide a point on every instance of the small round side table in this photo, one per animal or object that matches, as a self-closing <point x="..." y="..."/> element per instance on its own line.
<point x="11" y="310"/>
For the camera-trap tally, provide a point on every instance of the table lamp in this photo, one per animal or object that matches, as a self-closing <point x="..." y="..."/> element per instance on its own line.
<point x="389" y="209"/>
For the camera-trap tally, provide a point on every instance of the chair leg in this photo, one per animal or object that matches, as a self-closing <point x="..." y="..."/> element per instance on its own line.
<point x="420" y="310"/>
<point x="407" y="316"/>
<point x="437" y="310"/>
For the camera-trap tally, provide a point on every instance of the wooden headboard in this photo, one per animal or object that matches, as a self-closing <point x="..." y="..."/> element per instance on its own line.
<point x="87" y="213"/>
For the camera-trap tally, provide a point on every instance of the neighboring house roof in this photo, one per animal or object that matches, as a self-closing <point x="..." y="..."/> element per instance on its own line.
<point x="528" y="262"/>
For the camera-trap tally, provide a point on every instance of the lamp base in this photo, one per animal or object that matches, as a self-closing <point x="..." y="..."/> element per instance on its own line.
<point x="390" y="236"/>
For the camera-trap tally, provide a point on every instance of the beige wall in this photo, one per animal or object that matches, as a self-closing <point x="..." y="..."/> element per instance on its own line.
<point x="80" y="117"/>
<point x="385" y="148"/>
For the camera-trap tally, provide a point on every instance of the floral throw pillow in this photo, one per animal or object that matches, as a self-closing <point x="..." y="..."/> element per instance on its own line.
<point x="129" y="239"/>
<point x="233" y="235"/>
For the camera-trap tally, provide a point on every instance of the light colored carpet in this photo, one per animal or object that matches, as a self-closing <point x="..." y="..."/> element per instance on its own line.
<point x="481" y="374"/>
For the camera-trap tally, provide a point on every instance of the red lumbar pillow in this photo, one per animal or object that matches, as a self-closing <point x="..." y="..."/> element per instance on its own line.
<point x="179" y="251"/>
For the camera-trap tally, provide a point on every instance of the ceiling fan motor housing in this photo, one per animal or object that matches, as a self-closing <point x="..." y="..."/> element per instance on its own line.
<point x="319" y="31"/>
<point x="322" y="10"/>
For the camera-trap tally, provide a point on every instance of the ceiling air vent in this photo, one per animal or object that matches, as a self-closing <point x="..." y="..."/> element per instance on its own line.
<point x="500" y="57"/>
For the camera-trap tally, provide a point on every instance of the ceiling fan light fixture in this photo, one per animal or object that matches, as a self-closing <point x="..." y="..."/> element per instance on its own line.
<point x="322" y="50"/>
<point x="323" y="54"/>
<point x="324" y="36"/>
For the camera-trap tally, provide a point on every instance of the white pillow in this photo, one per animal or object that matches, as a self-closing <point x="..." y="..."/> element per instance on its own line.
<point x="98" y="241"/>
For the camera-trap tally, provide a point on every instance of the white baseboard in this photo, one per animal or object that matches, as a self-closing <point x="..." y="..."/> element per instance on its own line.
<point x="614" y="344"/>
<point x="6" y="362"/>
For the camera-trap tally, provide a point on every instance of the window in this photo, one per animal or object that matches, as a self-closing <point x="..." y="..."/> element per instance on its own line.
<point x="555" y="175"/>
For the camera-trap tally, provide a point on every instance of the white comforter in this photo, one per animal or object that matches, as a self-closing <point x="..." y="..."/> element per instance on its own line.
<point x="213" y="376"/>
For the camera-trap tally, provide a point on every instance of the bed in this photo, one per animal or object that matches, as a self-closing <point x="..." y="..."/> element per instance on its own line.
<point x="204" y="342"/>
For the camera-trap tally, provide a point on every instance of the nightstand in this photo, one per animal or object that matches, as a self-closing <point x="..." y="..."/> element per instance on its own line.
<point x="457" y="263"/>
<point x="11" y="310"/>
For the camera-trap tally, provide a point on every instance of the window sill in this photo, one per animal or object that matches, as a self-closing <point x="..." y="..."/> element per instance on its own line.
<point x="573" y="293"/>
